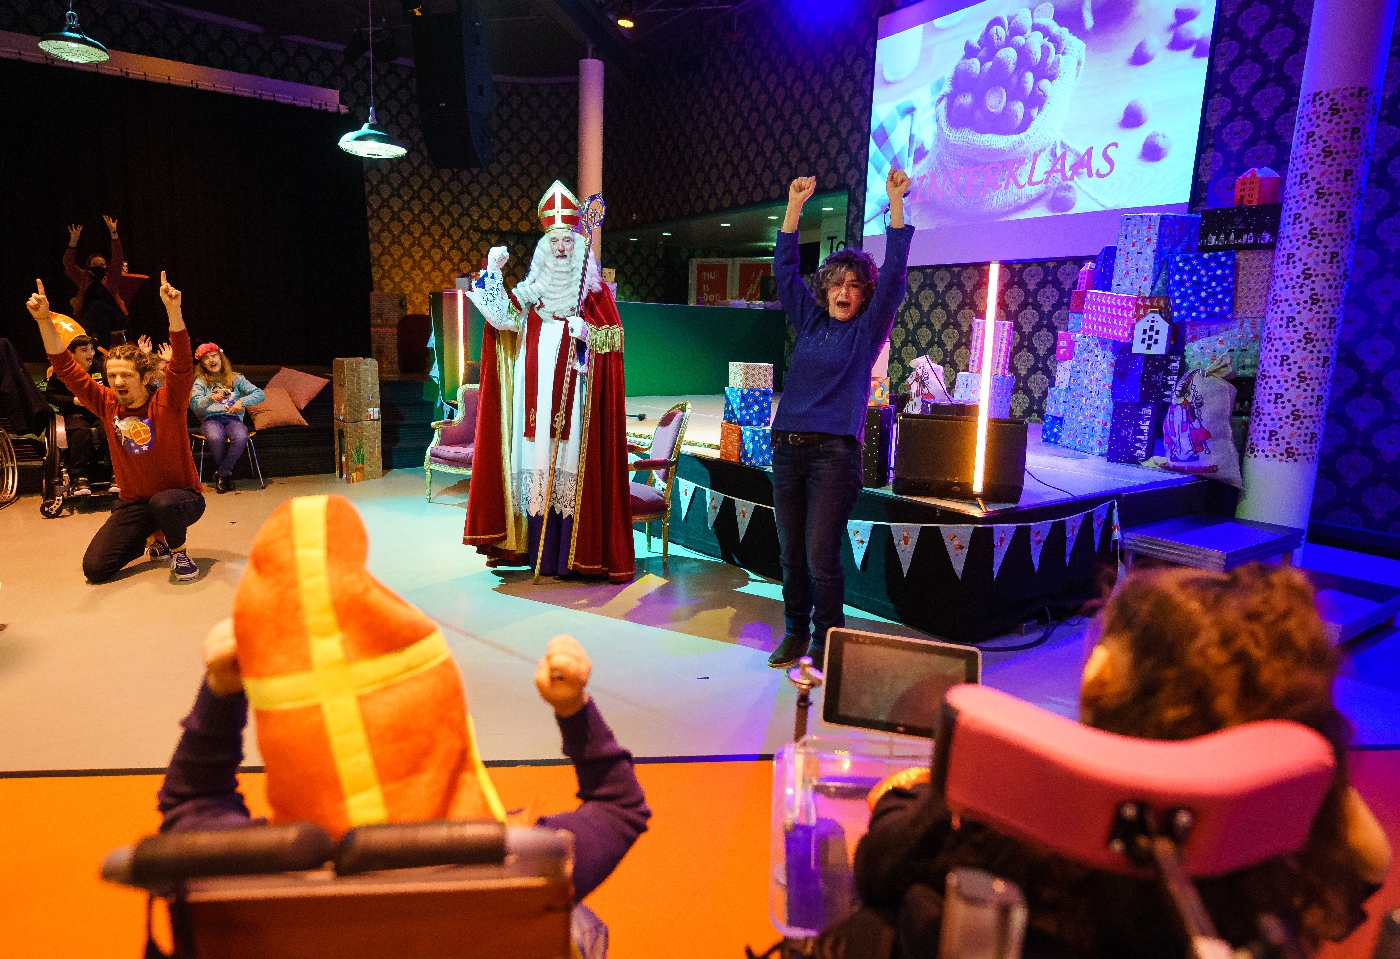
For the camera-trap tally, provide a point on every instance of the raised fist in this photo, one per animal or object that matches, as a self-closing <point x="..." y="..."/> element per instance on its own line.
<point x="802" y="189"/>
<point x="562" y="675"/>
<point x="897" y="184"/>
<point x="221" y="673"/>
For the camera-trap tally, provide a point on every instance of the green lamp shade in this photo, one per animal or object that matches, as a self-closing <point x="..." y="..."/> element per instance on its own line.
<point x="72" y="44"/>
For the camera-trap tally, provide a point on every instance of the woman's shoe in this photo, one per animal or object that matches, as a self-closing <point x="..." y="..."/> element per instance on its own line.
<point x="789" y="651"/>
<point x="222" y="483"/>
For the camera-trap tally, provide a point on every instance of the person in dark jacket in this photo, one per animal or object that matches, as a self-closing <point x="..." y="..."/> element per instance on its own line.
<point x="85" y="435"/>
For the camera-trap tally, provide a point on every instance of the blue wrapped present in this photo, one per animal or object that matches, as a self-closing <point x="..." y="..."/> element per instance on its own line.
<point x="1055" y="401"/>
<point x="1052" y="429"/>
<point x="1134" y="431"/>
<point x="1089" y="400"/>
<point x="1145" y="377"/>
<point x="748" y="407"/>
<point x="1103" y="268"/>
<point x="1075" y="321"/>
<point x="969" y="387"/>
<point x="1201" y="286"/>
<point x="756" y="446"/>
<point x="1145" y="240"/>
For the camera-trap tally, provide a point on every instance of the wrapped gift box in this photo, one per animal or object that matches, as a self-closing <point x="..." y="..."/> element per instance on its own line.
<point x="751" y="376"/>
<point x="748" y="406"/>
<point x="1064" y="369"/>
<point x="756" y="446"/>
<point x="1143" y="378"/>
<point x="1258" y="185"/>
<point x="1240" y="227"/>
<point x="355" y="389"/>
<point x="879" y="391"/>
<point x="1103" y="268"/>
<point x="1003" y="385"/>
<point x="1201" y="286"/>
<point x="1052" y="429"/>
<point x="1133" y="431"/>
<point x="1001" y="347"/>
<point x="1111" y="316"/>
<point x="1089" y="401"/>
<point x="1086" y="277"/>
<point x="1145" y="240"/>
<point x="1076" y="301"/>
<point x="1055" y="400"/>
<point x="1064" y="347"/>
<point x="1253" y="270"/>
<point x="1086" y="425"/>
<point x="1236" y="339"/>
<point x="1074" y="323"/>
<point x="731" y="441"/>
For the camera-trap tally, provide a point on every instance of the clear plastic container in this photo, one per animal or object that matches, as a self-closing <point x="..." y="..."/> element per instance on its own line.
<point x="819" y="814"/>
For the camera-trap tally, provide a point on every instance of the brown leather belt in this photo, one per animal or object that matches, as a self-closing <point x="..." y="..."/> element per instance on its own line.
<point x="801" y="439"/>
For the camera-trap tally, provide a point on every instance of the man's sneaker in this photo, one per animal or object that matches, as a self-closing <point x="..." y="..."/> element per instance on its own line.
<point x="182" y="568"/>
<point x="114" y="489"/>
<point x="788" y="652"/>
<point x="158" y="549"/>
<point x="80" y="487"/>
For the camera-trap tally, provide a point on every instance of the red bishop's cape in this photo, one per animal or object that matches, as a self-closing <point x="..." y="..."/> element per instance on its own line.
<point x="602" y="530"/>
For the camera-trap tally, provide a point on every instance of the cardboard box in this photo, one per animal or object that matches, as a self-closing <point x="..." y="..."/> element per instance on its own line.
<point x="748" y="407"/>
<point x="1143" y="378"/>
<point x="355" y="389"/>
<point x="751" y="376"/>
<point x="1201" y="286"/>
<point x="358" y="450"/>
<point x="1134" y="431"/>
<point x="1001" y="347"/>
<point x="731" y="441"/>
<point x="756" y="446"/>
<point x="1003" y="386"/>
<point x="384" y="345"/>
<point x="386" y="309"/>
<point x="1240" y="228"/>
<point x="1254" y="270"/>
<point x="1145" y="240"/>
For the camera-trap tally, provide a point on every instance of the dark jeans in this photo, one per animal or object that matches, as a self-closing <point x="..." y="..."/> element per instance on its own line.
<point x="216" y="430"/>
<point x="123" y="537"/>
<point x="814" y="488"/>
<point x="84" y="440"/>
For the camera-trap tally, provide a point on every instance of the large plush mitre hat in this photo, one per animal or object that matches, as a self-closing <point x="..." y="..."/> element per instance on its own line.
<point x="558" y="209"/>
<point x="361" y="715"/>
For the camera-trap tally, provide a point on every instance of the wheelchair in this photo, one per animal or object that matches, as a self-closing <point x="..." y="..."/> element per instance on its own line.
<point x="41" y="448"/>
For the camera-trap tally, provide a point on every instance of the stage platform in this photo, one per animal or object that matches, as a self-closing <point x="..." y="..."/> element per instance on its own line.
<point x="917" y="580"/>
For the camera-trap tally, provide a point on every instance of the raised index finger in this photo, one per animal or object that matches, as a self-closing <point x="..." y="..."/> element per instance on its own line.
<point x="41" y="286"/>
<point x="163" y="280"/>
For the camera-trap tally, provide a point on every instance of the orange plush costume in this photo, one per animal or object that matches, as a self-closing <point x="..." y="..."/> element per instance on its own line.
<point x="361" y="716"/>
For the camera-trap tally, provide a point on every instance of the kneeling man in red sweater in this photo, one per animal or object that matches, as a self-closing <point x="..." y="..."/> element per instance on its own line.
<point x="150" y="448"/>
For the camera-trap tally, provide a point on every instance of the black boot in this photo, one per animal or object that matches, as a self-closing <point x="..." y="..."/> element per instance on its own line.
<point x="221" y="483"/>
<point x="789" y="651"/>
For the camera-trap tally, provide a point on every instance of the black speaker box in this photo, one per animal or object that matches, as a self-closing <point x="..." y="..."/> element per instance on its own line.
<point x="935" y="456"/>
<point x="452" y="66"/>
<point x="879" y="444"/>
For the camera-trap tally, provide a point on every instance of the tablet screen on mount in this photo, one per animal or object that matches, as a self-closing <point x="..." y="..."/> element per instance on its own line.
<point x="890" y="683"/>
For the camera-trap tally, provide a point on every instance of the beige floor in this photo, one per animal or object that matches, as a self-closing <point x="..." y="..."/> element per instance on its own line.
<point x="97" y="677"/>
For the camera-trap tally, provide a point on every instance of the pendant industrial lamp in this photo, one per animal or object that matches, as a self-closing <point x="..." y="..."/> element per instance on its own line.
<point x="370" y="141"/>
<point x="71" y="43"/>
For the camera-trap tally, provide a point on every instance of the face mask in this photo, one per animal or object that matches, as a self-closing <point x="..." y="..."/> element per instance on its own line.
<point x="98" y="272"/>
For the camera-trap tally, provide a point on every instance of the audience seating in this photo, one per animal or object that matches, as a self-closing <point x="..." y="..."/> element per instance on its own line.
<point x="650" y="503"/>
<point x="454" y="440"/>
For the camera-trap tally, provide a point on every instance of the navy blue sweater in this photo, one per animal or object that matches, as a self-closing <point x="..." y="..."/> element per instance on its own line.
<point x="827" y="388"/>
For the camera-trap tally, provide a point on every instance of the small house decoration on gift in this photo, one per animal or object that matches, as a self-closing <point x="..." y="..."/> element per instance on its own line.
<point x="1151" y="334"/>
<point x="1257" y="186"/>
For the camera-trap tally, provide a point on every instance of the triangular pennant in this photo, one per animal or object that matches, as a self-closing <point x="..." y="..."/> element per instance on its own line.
<point x="1039" y="533"/>
<point x="1072" y="524"/>
<point x="687" y="491"/>
<point x="957" y="539"/>
<point x="859" y="532"/>
<point x="713" y="501"/>
<point x="1117" y="533"/>
<point x="1100" y="515"/>
<point x="1001" y="539"/>
<point x="906" y="537"/>
<point x="743" y="512"/>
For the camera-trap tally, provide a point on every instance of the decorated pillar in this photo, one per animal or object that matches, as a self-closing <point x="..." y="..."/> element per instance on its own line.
<point x="590" y="136"/>
<point x="1338" y="105"/>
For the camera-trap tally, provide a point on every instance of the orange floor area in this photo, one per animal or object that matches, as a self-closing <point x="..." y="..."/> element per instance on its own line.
<point x="695" y="884"/>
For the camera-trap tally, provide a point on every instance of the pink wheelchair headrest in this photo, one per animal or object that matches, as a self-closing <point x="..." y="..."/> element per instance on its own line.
<point x="1253" y="790"/>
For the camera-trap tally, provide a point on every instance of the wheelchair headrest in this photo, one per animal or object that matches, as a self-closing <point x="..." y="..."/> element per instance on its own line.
<point x="1252" y="790"/>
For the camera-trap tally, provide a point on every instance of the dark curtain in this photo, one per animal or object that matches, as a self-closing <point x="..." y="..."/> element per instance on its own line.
<point x="249" y="205"/>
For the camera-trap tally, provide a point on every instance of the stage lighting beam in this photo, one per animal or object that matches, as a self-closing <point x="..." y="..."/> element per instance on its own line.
<point x="71" y="43"/>
<point x="984" y="388"/>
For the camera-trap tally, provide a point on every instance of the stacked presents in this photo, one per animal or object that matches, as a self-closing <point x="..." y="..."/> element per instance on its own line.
<point x="969" y="383"/>
<point x="1178" y="293"/>
<point x="746" y="435"/>
<point x="355" y="391"/>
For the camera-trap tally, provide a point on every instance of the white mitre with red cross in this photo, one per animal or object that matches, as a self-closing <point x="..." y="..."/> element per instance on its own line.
<point x="558" y="209"/>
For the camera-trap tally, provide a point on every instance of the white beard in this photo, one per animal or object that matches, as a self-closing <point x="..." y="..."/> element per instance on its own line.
<point x="553" y="283"/>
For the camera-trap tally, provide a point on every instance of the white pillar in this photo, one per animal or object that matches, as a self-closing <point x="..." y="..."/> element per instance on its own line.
<point x="590" y="137"/>
<point x="1338" y="105"/>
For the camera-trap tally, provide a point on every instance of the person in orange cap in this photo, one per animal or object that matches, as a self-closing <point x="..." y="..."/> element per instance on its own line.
<point x="361" y="713"/>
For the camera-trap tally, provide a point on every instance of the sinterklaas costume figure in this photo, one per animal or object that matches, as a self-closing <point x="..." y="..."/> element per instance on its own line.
<point x="527" y="402"/>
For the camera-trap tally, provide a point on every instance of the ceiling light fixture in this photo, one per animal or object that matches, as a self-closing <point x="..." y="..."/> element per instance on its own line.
<point x="370" y="142"/>
<point x="724" y="224"/>
<point x="71" y="43"/>
<point x="626" y="23"/>
<point x="665" y="234"/>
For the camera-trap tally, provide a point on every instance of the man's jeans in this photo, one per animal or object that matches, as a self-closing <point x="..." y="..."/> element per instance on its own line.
<point x="814" y="488"/>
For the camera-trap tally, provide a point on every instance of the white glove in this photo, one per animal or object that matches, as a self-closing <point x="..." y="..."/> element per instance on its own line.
<point x="578" y="327"/>
<point x="496" y="258"/>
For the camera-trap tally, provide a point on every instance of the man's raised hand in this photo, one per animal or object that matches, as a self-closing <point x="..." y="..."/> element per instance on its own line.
<point x="143" y="343"/>
<point x="562" y="675"/>
<point x="802" y="189"/>
<point x="165" y="351"/>
<point x="38" y="304"/>
<point x="168" y="294"/>
<point x="75" y="230"/>
<point x="497" y="257"/>
<point x="111" y="224"/>
<point x="896" y="184"/>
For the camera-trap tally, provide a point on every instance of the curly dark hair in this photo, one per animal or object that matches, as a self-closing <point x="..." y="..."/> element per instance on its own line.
<point x="127" y="353"/>
<point x="833" y="272"/>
